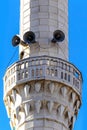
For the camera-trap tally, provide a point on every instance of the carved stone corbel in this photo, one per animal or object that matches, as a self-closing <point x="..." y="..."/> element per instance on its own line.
<point x="38" y="106"/>
<point x="51" y="87"/>
<point x="61" y="110"/>
<point x="26" y="90"/>
<point x="63" y="91"/>
<point x="50" y="105"/>
<point x="14" y="94"/>
<point x="37" y="87"/>
<point x="17" y="112"/>
<point x="27" y="108"/>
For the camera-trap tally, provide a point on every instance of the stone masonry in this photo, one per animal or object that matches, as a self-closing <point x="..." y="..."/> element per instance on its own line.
<point x="42" y="91"/>
<point x="43" y="17"/>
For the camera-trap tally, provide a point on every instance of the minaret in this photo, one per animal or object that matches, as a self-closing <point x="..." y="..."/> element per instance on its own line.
<point x="44" y="18"/>
<point x="42" y="91"/>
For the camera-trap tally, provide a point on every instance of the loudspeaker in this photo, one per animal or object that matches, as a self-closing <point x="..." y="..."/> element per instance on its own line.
<point x="29" y="37"/>
<point x="58" y="36"/>
<point x="15" y="40"/>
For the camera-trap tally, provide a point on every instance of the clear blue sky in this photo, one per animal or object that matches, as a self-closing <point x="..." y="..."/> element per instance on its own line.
<point x="9" y="26"/>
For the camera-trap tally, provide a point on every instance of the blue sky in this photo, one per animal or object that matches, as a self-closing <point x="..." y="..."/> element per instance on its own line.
<point x="9" y="26"/>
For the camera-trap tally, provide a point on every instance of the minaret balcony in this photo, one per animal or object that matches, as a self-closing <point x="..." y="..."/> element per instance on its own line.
<point x="42" y="68"/>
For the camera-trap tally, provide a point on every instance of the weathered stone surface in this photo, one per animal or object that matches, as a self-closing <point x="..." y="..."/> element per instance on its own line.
<point x="42" y="91"/>
<point x="45" y="17"/>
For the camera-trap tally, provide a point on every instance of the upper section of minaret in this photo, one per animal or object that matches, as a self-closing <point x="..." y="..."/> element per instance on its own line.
<point x="46" y="21"/>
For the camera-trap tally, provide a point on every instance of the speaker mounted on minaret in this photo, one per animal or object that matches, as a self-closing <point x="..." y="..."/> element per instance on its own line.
<point x="58" y="36"/>
<point x="29" y="37"/>
<point x="16" y="40"/>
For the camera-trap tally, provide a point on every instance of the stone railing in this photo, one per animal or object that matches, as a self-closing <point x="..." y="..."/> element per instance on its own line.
<point x="42" y="67"/>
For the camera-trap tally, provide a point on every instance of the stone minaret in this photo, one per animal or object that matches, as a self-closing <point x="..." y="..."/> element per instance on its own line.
<point x="42" y="91"/>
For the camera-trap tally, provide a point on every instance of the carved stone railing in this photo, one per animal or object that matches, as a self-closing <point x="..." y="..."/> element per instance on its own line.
<point x="42" y="67"/>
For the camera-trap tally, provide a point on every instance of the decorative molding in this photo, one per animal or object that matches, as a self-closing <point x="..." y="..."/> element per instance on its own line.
<point x="61" y="109"/>
<point x="53" y="94"/>
<point x="14" y="94"/>
<point x="50" y="105"/>
<point x="26" y="90"/>
<point x="63" y="91"/>
<point x="8" y="101"/>
<point x="37" y="86"/>
<point x="69" y="115"/>
<point x="51" y="87"/>
<point x="27" y="108"/>
<point x="17" y="112"/>
<point x="78" y="104"/>
<point x="38" y="106"/>
<point x="73" y="95"/>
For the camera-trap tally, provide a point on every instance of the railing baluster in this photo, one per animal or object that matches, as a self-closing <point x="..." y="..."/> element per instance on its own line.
<point x="42" y="67"/>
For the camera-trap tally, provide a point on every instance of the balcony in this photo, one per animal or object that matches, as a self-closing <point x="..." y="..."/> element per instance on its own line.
<point x="42" y="67"/>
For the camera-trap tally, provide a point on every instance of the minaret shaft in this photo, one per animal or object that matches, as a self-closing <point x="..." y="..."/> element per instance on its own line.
<point x="43" y="18"/>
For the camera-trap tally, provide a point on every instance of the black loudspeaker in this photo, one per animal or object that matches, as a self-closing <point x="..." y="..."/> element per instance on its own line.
<point x="15" y="40"/>
<point x="29" y="37"/>
<point x="58" y="36"/>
